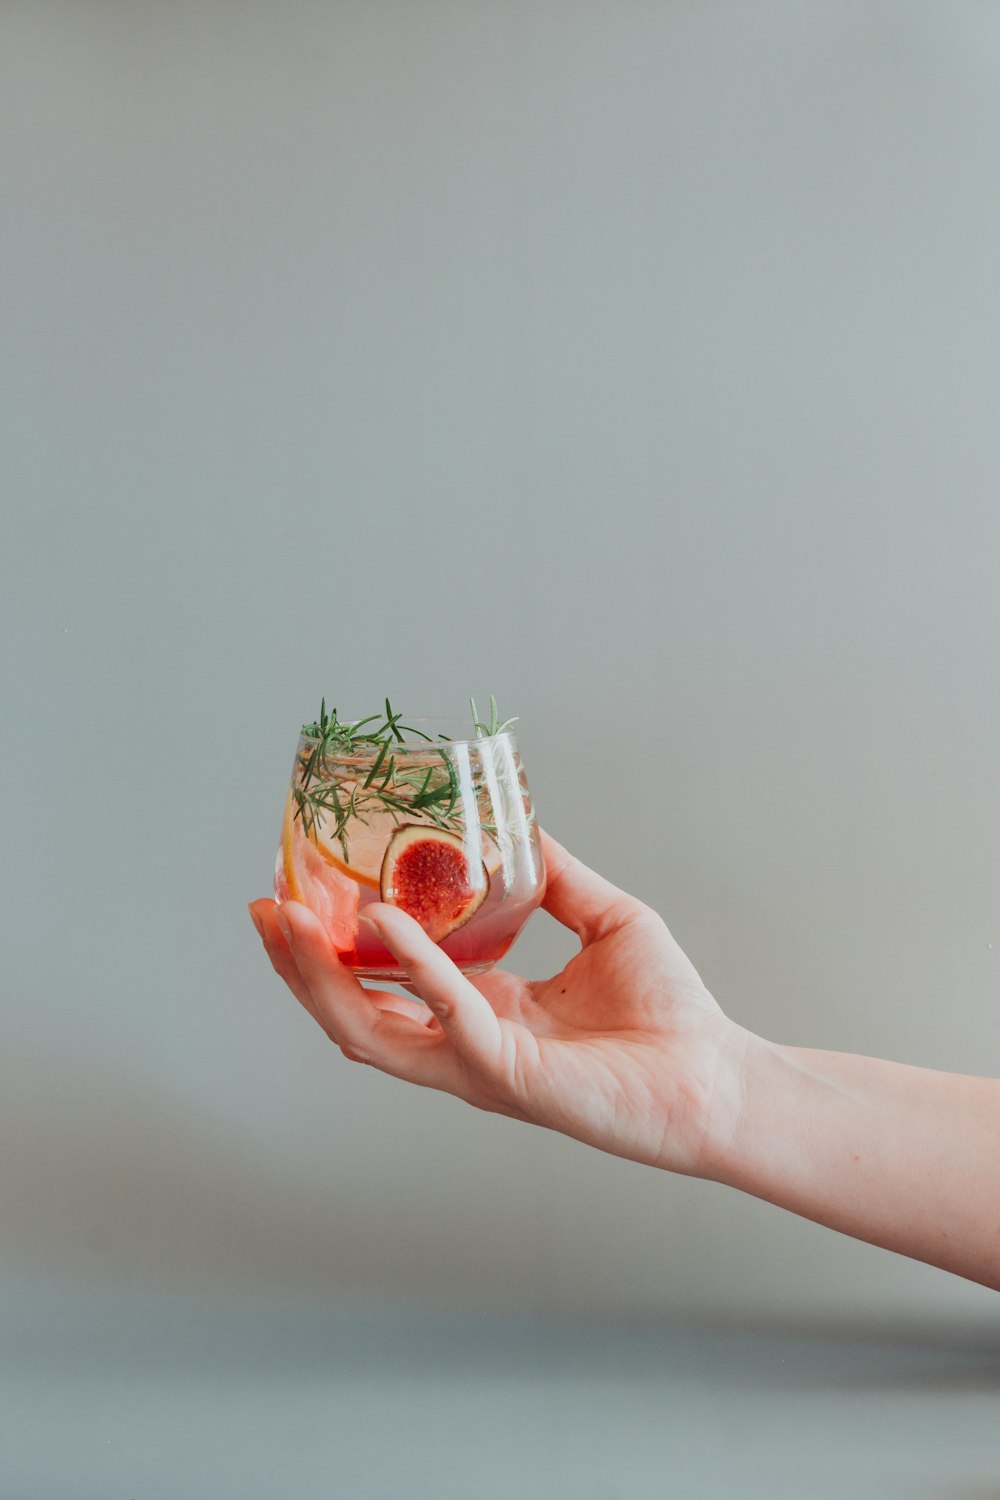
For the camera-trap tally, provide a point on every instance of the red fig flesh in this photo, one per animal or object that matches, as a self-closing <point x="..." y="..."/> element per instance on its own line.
<point x="428" y="873"/>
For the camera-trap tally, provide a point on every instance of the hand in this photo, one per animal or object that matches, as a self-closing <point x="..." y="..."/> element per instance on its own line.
<point x="624" y="1049"/>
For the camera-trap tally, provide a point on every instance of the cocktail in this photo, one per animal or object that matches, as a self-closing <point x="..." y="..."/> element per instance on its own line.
<point x="440" y="824"/>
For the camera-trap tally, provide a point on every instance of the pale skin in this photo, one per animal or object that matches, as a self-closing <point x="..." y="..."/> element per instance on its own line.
<point x="626" y="1050"/>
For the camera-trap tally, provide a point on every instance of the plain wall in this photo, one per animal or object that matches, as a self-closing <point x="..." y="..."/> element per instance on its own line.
<point x="636" y="362"/>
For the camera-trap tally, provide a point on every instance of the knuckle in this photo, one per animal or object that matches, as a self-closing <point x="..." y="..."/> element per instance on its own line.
<point x="355" y="1054"/>
<point x="643" y="917"/>
<point x="444" y="1010"/>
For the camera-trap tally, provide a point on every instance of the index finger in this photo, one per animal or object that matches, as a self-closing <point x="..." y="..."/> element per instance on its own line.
<point x="581" y="899"/>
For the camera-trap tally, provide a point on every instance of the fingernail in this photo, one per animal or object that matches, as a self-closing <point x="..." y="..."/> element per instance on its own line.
<point x="284" y="925"/>
<point x="256" y="921"/>
<point x="368" y="927"/>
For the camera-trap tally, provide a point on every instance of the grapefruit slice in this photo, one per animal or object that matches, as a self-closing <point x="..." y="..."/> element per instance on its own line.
<point x="366" y="843"/>
<point x="427" y="872"/>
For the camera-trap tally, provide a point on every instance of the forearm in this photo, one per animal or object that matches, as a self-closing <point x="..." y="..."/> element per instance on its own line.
<point x="906" y="1158"/>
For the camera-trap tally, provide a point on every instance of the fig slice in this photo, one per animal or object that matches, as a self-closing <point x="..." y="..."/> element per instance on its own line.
<point x="427" y="872"/>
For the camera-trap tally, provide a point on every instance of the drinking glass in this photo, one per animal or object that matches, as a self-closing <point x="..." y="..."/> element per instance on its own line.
<point x="442" y="827"/>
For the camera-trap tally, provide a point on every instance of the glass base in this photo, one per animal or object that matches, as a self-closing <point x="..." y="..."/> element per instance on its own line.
<point x="400" y="976"/>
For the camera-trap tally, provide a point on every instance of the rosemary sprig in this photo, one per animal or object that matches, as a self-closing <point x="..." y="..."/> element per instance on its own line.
<point x="486" y="731"/>
<point x="326" y="791"/>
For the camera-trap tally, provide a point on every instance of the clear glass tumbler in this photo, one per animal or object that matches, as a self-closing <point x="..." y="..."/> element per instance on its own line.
<point x="442" y="827"/>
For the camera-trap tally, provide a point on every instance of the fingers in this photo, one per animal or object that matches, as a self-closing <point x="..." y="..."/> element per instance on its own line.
<point x="415" y="1010"/>
<point x="462" y="1054"/>
<point x="581" y="899"/>
<point x="342" y="1006"/>
<point x="274" y="926"/>
<point x="368" y="1026"/>
<point x="463" y="1014"/>
<point x="263" y="914"/>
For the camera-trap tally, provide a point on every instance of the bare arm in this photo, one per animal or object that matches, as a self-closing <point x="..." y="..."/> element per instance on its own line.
<point x="627" y="1051"/>
<point x="906" y="1158"/>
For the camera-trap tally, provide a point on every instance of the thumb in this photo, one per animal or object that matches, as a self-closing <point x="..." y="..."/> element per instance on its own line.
<point x="581" y="899"/>
<point x="464" y="1015"/>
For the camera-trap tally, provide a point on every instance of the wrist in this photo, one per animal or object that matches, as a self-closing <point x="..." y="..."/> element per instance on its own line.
<point x="734" y="1059"/>
<point x="777" y="1108"/>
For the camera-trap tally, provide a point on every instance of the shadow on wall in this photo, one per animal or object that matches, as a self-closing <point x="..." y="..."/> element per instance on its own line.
<point x="106" y="1183"/>
<point x="101" y="1179"/>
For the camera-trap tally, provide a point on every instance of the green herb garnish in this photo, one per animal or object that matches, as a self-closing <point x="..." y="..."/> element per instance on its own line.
<point x="486" y="731"/>
<point x="326" y="790"/>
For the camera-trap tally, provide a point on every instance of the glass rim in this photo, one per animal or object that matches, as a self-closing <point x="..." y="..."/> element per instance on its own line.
<point x="413" y="747"/>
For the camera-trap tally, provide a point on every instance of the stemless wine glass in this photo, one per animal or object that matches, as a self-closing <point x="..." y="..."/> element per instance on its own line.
<point x="442" y="827"/>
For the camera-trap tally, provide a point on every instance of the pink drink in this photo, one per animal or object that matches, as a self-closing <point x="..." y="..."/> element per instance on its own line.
<point x="445" y="829"/>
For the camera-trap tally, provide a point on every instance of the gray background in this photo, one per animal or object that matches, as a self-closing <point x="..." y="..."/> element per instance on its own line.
<point x="636" y="362"/>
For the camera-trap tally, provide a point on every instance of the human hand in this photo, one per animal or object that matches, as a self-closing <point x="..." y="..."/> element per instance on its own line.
<point x="625" y="1049"/>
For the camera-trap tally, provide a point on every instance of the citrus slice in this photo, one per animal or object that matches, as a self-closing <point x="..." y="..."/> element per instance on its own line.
<point x="366" y="843"/>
